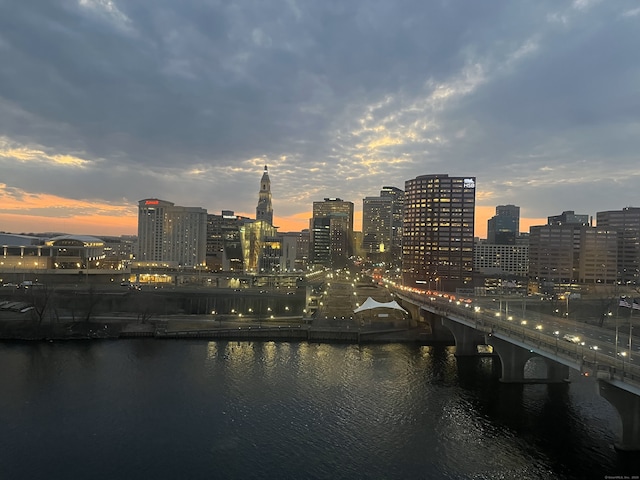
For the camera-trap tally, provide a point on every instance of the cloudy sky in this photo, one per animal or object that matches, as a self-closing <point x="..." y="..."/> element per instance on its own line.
<point x="107" y="102"/>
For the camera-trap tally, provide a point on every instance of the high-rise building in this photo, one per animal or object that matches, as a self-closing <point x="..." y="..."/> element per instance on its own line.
<point x="382" y="225"/>
<point x="598" y="260"/>
<point x="264" y="210"/>
<point x="503" y="228"/>
<point x="331" y="228"/>
<point x="397" y="221"/>
<point x="569" y="251"/>
<point x="224" y="249"/>
<point x="626" y="223"/>
<point x="171" y="234"/>
<point x="438" y="236"/>
<point x="261" y="248"/>
<point x="376" y="225"/>
<point x="320" y="241"/>
<point x="553" y="256"/>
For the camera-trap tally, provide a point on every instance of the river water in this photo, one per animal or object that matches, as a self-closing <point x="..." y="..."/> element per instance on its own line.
<point x="138" y="409"/>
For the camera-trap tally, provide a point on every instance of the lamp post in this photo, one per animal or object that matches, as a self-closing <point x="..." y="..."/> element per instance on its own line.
<point x="630" y="327"/>
<point x="623" y="354"/>
<point x="556" y="334"/>
<point x="595" y="355"/>
<point x="616" y="350"/>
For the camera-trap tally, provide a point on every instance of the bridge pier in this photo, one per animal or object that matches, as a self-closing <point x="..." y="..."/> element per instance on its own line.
<point x="467" y="339"/>
<point x="627" y="405"/>
<point x="514" y="359"/>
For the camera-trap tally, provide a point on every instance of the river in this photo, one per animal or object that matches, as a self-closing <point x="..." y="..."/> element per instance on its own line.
<point x="138" y="409"/>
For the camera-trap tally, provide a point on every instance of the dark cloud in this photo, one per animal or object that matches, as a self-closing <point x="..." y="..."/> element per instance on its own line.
<point x="190" y="98"/>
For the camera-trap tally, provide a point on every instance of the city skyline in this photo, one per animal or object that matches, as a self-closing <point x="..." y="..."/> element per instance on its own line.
<point x="104" y="103"/>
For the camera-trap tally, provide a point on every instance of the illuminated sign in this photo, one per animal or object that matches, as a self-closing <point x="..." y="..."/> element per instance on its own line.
<point x="152" y="202"/>
<point x="469" y="183"/>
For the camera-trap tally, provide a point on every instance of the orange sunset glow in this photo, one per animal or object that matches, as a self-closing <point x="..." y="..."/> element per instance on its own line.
<point x="37" y="213"/>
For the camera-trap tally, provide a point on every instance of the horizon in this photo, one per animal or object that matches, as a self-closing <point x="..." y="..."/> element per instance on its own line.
<point x="103" y="102"/>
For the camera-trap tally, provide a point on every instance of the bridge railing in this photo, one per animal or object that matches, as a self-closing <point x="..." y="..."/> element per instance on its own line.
<point x="586" y="360"/>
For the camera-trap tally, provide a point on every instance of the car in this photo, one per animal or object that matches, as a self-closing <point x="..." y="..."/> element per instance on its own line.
<point x="571" y="338"/>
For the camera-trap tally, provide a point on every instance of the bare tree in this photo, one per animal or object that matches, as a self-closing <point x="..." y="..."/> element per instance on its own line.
<point x="40" y="298"/>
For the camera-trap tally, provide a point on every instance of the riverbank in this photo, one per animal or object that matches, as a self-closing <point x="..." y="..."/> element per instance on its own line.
<point x="203" y="327"/>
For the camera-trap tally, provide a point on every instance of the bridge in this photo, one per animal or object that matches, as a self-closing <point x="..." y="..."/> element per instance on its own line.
<point x="518" y="341"/>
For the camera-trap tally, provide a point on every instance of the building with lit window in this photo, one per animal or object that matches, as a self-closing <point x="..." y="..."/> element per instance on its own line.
<point x="438" y="236"/>
<point x="568" y="253"/>
<point x="261" y="249"/>
<point x="224" y="249"/>
<point x="598" y="260"/>
<point x="494" y="260"/>
<point x="626" y="223"/>
<point x="382" y="219"/>
<point x="295" y="251"/>
<point x="331" y="232"/>
<point x="170" y="234"/>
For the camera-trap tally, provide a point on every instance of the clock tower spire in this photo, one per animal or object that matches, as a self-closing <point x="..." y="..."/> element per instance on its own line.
<point x="264" y="211"/>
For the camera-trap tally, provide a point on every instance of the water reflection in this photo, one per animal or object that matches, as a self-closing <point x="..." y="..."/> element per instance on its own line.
<point x="198" y="409"/>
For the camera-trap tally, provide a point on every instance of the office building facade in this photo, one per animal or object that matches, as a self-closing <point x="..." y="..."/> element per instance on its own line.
<point x="331" y="232"/>
<point x="626" y="223"/>
<point x="438" y="235"/>
<point x="382" y="219"/>
<point x="171" y="234"/>
<point x="491" y="259"/>
<point x="568" y="252"/>
<point x="504" y="227"/>
<point x="224" y="248"/>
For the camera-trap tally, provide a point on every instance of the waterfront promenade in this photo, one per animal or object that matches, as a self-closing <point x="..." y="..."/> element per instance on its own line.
<point x="334" y="321"/>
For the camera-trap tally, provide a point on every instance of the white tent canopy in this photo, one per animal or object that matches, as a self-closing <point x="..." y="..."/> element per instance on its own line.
<point x="370" y="304"/>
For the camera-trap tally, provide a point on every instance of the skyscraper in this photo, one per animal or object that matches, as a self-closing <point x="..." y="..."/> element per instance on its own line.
<point x="437" y="241"/>
<point x="224" y="250"/>
<point x="376" y="225"/>
<point x="171" y="234"/>
<point x="331" y="231"/>
<point x="503" y="228"/>
<point x="382" y="219"/>
<point x="264" y="210"/>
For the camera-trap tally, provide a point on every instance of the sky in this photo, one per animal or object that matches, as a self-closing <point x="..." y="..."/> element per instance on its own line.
<point x="107" y="102"/>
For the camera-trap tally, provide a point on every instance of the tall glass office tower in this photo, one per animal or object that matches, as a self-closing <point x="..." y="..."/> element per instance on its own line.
<point x="437" y="241"/>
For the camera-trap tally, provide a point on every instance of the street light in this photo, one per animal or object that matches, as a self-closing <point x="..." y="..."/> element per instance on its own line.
<point x="595" y="354"/>
<point x="623" y="354"/>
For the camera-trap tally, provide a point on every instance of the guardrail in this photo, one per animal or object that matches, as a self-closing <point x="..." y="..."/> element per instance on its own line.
<point x="574" y="354"/>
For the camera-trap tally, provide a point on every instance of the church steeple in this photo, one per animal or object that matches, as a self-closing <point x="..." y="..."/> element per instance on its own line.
<point x="264" y="211"/>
